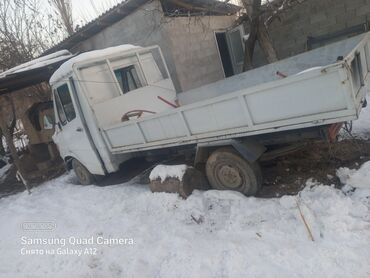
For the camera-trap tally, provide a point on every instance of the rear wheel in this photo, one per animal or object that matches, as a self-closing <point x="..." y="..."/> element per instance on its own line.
<point x="83" y="175"/>
<point x="227" y="170"/>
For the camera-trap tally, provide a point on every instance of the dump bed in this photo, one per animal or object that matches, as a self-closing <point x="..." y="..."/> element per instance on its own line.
<point x="323" y="86"/>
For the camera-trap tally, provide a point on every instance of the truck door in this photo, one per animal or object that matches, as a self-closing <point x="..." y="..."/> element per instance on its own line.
<point x="70" y="135"/>
<point x="234" y="38"/>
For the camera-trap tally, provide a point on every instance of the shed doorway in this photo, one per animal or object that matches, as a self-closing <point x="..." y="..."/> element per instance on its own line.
<point x="224" y="53"/>
<point x="231" y="49"/>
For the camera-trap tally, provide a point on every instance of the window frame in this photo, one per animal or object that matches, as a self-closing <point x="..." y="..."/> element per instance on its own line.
<point x="139" y="74"/>
<point x="59" y="109"/>
<point x="58" y="99"/>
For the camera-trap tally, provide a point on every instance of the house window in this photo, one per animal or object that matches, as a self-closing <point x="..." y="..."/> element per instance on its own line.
<point x="236" y="44"/>
<point x="128" y="79"/>
<point x="64" y="104"/>
<point x="48" y="122"/>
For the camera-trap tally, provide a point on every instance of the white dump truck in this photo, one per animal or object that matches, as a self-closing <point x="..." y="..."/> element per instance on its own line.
<point x="118" y="103"/>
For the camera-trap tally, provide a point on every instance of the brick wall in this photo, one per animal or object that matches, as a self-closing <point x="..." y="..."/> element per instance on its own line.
<point x="194" y="49"/>
<point x="315" y="18"/>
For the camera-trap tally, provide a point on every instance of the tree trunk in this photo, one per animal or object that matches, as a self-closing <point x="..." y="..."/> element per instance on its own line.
<point x="249" y="47"/>
<point x="258" y="31"/>
<point x="253" y="10"/>
<point x="266" y="43"/>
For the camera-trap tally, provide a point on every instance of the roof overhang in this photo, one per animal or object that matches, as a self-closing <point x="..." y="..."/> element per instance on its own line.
<point x="20" y="80"/>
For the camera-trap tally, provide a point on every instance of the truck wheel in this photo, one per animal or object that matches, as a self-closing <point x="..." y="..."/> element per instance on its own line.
<point x="83" y="175"/>
<point x="227" y="170"/>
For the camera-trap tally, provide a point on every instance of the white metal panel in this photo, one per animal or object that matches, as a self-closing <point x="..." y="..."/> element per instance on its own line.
<point x="124" y="136"/>
<point x="166" y="127"/>
<point x="99" y="83"/>
<point x="221" y="115"/>
<point x="312" y="96"/>
<point x="110" y="111"/>
<point x="150" y="68"/>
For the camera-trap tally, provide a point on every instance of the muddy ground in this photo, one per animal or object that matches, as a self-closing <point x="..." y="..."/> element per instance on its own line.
<point x="284" y="175"/>
<point x="319" y="161"/>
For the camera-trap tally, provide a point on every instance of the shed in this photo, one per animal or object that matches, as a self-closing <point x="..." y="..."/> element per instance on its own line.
<point x="25" y="96"/>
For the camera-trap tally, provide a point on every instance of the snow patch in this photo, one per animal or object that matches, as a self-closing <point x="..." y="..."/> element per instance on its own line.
<point x="168" y="171"/>
<point x="288" y="202"/>
<point x="355" y="178"/>
<point x="39" y="62"/>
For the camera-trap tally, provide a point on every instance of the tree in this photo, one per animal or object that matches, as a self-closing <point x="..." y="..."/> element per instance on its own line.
<point x="64" y="9"/>
<point x="260" y="17"/>
<point x="25" y="32"/>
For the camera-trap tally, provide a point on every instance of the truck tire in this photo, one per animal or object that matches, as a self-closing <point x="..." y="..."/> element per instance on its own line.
<point x="227" y="170"/>
<point x="83" y="175"/>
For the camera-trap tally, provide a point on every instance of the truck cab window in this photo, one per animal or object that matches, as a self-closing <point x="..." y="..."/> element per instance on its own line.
<point x="127" y="78"/>
<point x="65" y="102"/>
<point x="61" y="115"/>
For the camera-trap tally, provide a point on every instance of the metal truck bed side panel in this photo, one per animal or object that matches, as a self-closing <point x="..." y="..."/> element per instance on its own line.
<point x="314" y="97"/>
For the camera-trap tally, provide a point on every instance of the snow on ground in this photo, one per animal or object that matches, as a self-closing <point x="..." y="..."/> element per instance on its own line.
<point x="355" y="179"/>
<point x="211" y="234"/>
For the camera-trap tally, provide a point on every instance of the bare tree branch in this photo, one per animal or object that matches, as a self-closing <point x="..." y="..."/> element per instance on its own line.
<point x="64" y="9"/>
<point x="260" y="17"/>
<point x="25" y="32"/>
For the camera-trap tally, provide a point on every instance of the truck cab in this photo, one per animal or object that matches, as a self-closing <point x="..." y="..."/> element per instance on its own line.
<point x="100" y="89"/>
